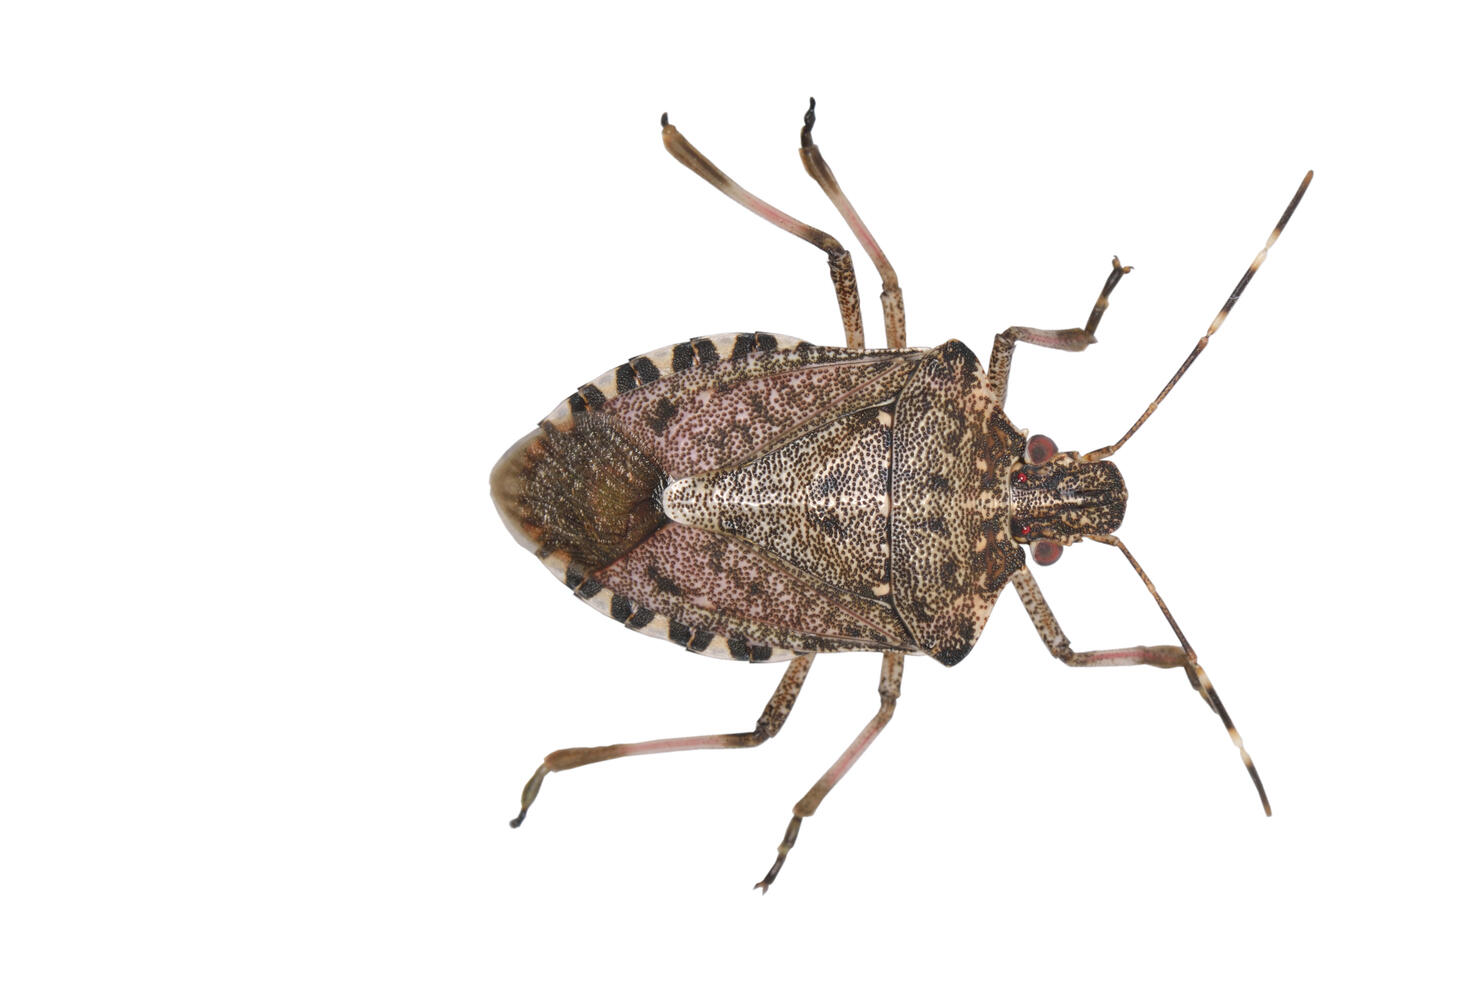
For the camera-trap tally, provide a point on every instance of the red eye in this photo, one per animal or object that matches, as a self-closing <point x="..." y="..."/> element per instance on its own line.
<point x="1025" y="531"/>
<point x="1040" y="449"/>
<point x="1021" y="477"/>
<point x="1046" y="552"/>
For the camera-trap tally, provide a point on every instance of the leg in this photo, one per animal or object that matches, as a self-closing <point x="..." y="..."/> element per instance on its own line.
<point x="1160" y="656"/>
<point x="889" y="676"/>
<point x="772" y="717"/>
<point x="891" y="298"/>
<point x="839" y="263"/>
<point x="1069" y="340"/>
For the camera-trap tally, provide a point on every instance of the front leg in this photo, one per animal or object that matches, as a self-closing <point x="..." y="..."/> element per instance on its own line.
<point x="1160" y="656"/>
<point x="1069" y="339"/>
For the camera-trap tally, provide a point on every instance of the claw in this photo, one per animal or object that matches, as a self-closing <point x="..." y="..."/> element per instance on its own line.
<point x="531" y="789"/>
<point x="787" y="842"/>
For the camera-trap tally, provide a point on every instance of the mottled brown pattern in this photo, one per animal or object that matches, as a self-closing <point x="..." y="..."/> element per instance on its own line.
<point x="820" y="502"/>
<point x="722" y="414"/>
<point x="845" y="285"/>
<point x="951" y="547"/>
<point x="660" y="363"/>
<point x="585" y="527"/>
<point x="1065" y="501"/>
<point x="586" y="493"/>
<point x="785" y="697"/>
<point x="734" y="589"/>
<point x="849" y="500"/>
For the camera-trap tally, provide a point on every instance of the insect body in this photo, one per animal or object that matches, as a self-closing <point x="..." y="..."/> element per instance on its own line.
<point x="760" y="498"/>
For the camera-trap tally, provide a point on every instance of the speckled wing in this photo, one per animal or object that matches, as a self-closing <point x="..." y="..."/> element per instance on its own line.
<point x="715" y="402"/>
<point x="585" y="490"/>
<point x="706" y="583"/>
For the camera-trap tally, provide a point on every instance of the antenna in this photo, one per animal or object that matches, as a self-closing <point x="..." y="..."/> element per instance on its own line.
<point x="1195" y="674"/>
<point x="1202" y="342"/>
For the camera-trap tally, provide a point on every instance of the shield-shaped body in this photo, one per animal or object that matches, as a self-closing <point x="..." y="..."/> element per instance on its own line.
<point x="761" y="498"/>
<point x="754" y="497"/>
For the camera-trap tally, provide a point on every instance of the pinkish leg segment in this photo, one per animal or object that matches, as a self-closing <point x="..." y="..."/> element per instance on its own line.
<point x="889" y="678"/>
<point x="1067" y="340"/>
<point x="839" y="262"/>
<point x="1160" y="656"/>
<point x="891" y="298"/>
<point x="769" y="724"/>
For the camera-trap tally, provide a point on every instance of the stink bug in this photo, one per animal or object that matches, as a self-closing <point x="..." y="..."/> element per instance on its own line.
<point x="760" y="498"/>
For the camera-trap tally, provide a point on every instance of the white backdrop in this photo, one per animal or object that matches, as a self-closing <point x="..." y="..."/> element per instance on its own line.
<point x="281" y="281"/>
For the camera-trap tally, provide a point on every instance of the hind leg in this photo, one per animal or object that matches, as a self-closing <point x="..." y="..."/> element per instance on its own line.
<point x="771" y="719"/>
<point x="891" y="298"/>
<point x="839" y="263"/>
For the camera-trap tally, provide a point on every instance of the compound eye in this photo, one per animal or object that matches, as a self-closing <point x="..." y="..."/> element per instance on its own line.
<point x="1046" y="551"/>
<point x="1040" y="449"/>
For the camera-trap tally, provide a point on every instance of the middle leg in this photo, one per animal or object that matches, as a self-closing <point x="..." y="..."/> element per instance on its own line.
<point x="889" y="676"/>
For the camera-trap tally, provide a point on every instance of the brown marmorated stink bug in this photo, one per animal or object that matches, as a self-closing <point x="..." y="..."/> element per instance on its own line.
<point x="760" y="498"/>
